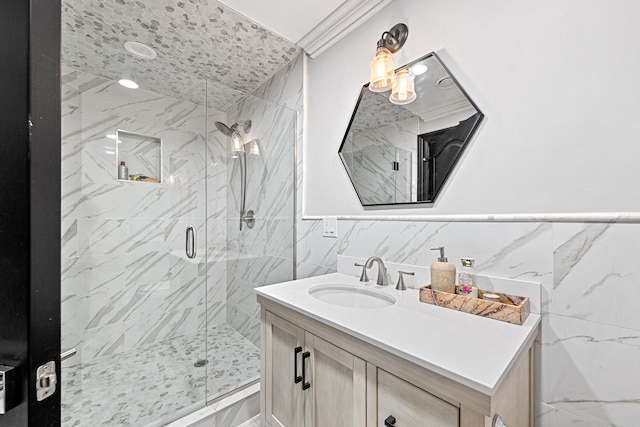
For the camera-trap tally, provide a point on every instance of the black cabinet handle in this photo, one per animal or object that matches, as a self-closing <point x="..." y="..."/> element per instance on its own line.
<point x="305" y="384"/>
<point x="390" y="421"/>
<point x="296" y="377"/>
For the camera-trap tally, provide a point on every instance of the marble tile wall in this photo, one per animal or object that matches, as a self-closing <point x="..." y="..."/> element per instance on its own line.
<point x="589" y="348"/>
<point x="263" y="255"/>
<point x="125" y="279"/>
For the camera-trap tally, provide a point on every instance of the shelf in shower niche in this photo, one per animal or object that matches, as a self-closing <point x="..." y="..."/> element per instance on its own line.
<point x="141" y="154"/>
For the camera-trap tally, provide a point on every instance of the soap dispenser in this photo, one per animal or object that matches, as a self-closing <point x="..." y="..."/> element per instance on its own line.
<point x="443" y="273"/>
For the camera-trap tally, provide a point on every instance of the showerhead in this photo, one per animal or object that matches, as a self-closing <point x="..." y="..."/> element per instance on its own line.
<point x="246" y="125"/>
<point x="229" y="131"/>
<point x="237" y="143"/>
<point x="223" y="128"/>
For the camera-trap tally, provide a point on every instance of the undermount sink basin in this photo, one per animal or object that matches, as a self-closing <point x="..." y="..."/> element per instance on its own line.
<point x="350" y="296"/>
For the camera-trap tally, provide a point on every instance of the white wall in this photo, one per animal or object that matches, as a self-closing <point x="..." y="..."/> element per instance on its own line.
<point x="555" y="79"/>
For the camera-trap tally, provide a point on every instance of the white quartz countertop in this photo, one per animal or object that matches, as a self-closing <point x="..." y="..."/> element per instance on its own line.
<point x="469" y="349"/>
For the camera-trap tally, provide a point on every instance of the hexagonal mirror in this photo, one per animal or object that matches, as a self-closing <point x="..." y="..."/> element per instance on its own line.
<point x="403" y="154"/>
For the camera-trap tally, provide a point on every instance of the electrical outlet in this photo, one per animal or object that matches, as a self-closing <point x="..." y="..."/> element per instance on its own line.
<point x="330" y="227"/>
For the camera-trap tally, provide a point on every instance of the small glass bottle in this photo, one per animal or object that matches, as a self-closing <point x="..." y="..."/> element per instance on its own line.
<point x="123" y="171"/>
<point x="467" y="279"/>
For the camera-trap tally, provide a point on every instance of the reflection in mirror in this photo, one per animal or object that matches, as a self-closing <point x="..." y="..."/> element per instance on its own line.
<point x="403" y="154"/>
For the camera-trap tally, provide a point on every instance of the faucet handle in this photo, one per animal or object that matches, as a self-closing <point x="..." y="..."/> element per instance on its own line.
<point x="363" y="276"/>
<point x="401" y="286"/>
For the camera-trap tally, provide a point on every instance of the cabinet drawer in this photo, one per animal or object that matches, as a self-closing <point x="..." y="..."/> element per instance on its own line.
<point x="411" y="406"/>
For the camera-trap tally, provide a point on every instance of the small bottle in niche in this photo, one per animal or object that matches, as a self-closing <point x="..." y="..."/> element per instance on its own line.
<point x="123" y="171"/>
<point x="467" y="279"/>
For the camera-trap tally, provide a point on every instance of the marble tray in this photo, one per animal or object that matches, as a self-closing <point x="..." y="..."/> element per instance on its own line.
<point x="511" y="308"/>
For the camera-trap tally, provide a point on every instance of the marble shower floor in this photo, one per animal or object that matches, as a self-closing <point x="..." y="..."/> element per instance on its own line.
<point x="143" y="386"/>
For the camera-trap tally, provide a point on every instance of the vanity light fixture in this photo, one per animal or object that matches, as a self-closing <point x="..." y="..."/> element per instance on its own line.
<point x="382" y="66"/>
<point x="403" y="90"/>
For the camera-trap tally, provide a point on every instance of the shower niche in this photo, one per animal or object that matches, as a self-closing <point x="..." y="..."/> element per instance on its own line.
<point x="142" y="156"/>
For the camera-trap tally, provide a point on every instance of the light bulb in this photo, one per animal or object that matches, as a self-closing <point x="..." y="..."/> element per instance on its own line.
<point x="403" y="91"/>
<point x="381" y="67"/>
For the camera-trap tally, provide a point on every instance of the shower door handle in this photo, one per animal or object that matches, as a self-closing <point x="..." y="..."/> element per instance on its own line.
<point x="191" y="243"/>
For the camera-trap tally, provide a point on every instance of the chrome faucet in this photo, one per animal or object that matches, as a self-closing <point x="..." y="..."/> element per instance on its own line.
<point x="382" y="270"/>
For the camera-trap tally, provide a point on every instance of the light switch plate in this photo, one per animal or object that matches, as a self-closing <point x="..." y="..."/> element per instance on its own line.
<point x="330" y="227"/>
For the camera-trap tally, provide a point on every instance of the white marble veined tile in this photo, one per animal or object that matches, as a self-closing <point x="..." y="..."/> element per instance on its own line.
<point x="279" y="238"/>
<point x="216" y="312"/>
<point x="113" y="237"/>
<point x="239" y="413"/>
<point x="571" y="242"/>
<point x="88" y="292"/>
<point x="109" y="97"/>
<point x="511" y="250"/>
<point x="267" y="270"/>
<point x="185" y="115"/>
<point x="588" y="370"/>
<point x="69" y="232"/>
<point x="544" y="415"/>
<point x="68" y="86"/>
<point x="167" y="325"/>
<point x="216" y="237"/>
<point x="595" y="272"/>
<point x="245" y="324"/>
<point x="249" y="240"/>
<point x="315" y="250"/>
<point x="93" y="343"/>
<point x="564" y="419"/>
<point x="285" y="87"/>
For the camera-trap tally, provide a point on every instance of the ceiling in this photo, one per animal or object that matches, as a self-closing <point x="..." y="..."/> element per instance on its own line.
<point x="311" y="24"/>
<point x="195" y="40"/>
<point x="198" y="40"/>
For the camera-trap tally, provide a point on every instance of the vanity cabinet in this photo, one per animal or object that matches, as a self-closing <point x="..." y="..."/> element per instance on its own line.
<point x="309" y="381"/>
<point x="408" y="405"/>
<point x="354" y="382"/>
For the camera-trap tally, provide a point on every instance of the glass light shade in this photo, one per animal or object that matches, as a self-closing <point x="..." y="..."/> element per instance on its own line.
<point x="236" y="143"/>
<point x="254" y="149"/>
<point x="403" y="90"/>
<point x="382" y="67"/>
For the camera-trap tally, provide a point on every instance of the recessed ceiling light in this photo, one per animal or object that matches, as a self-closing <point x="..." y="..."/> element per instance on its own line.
<point x="445" y="83"/>
<point x="140" y="50"/>
<point x="419" y="69"/>
<point x="111" y="136"/>
<point x="130" y="84"/>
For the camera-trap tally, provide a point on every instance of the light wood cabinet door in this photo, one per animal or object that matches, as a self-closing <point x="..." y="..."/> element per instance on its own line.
<point x="283" y="397"/>
<point x="337" y="393"/>
<point x="410" y="405"/>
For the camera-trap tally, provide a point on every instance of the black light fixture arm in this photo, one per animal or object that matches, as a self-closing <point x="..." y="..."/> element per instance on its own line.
<point x="395" y="38"/>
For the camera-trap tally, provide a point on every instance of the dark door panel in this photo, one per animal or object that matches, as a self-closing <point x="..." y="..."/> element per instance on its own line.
<point x="30" y="202"/>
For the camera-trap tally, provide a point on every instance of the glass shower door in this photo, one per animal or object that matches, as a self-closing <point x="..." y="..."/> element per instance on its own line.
<point x="251" y="175"/>
<point x="134" y="295"/>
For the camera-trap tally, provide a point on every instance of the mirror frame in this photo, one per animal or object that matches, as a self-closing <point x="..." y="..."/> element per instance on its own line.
<point x="472" y="132"/>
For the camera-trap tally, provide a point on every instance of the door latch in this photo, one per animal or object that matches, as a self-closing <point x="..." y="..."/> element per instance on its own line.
<point x="7" y="388"/>
<point x="46" y="380"/>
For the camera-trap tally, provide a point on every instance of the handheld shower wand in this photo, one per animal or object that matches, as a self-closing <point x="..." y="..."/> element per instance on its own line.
<point x="238" y="147"/>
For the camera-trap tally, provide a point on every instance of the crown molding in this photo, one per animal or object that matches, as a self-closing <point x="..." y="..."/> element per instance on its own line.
<point x="344" y="19"/>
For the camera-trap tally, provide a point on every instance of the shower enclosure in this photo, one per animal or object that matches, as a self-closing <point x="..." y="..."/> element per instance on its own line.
<point x="157" y="278"/>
